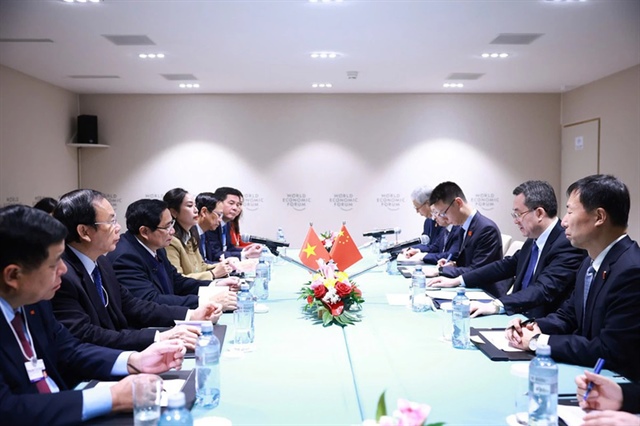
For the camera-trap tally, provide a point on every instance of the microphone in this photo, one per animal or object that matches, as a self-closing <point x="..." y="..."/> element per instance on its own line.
<point x="261" y="240"/>
<point x="377" y="233"/>
<point x="423" y="239"/>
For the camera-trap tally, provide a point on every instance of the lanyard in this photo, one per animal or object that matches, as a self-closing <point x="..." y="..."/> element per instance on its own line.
<point x="34" y="358"/>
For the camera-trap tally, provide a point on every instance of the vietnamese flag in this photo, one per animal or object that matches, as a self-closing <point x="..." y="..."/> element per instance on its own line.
<point x="344" y="251"/>
<point x="312" y="250"/>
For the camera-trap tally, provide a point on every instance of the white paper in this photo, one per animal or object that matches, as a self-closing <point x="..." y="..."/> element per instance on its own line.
<point x="499" y="340"/>
<point x="571" y="415"/>
<point x="169" y="387"/>
<point x="449" y="295"/>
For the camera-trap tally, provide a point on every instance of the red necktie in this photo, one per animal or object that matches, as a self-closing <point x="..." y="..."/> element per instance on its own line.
<point x="18" y="326"/>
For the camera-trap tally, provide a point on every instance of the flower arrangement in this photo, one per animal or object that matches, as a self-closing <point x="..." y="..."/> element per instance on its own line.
<point x="407" y="414"/>
<point x="327" y="238"/>
<point x="330" y="295"/>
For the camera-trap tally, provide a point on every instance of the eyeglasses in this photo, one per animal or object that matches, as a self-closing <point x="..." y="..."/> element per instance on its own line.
<point x="518" y="215"/>
<point x="112" y="222"/>
<point x="420" y="206"/>
<point x="444" y="213"/>
<point x="219" y="214"/>
<point x="168" y="227"/>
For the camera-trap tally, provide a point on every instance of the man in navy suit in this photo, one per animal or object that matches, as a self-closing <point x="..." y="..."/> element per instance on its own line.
<point x="39" y="358"/>
<point x="420" y="199"/>
<point x="140" y="261"/>
<point x="601" y="319"/>
<point x="481" y="238"/>
<point x="91" y="303"/>
<point x="445" y="246"/>
<point x="544" y="269"/>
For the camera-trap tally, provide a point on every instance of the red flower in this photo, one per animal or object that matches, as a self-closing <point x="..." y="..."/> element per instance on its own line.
<point x="357" y="291"/>
<point x="309" y="299"/>
<point x="320" y="291"/>
<point x="336" y="308"/>
<point x="342" y="289"/>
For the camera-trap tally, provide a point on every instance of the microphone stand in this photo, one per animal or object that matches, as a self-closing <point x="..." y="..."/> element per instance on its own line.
<point x="295" y="262"/>
<point x="380" y="263"/>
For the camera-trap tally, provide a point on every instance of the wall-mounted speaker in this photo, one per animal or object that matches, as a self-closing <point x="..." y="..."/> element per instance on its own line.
<point x="87" y="129"/>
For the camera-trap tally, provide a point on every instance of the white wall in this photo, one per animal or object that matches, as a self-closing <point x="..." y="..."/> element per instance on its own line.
<point x="616" y="101"/>
<point x="36" y="121"/>
<point x="292" y="155"/>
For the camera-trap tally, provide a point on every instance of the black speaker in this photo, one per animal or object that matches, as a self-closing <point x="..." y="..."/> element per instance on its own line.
<point x="87" y="129"/>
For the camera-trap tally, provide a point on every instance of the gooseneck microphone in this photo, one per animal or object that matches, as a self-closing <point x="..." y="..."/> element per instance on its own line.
<point x="423" y="239"/>
<point x="261" y="240"/>
<point x="377" y="233"/>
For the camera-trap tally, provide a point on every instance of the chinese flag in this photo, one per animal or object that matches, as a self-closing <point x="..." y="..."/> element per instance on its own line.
<point x="312" y="250"/>
<point x="344" y="251"/>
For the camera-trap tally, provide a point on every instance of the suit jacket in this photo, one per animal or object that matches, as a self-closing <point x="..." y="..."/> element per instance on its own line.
<point x="442" y="249"/>
<point x="609" y="327"/>
<point x="187" y="259"/>
<point x="137" y="270"/>
<point x="431" y="229"/>
<point x="214" y="246"/>
<point x="630" y="397"/>
<point x="77" y="305"/>
<point x="66" y="361"/>
<point x="552" y="281"/>
<point x="481" y="246"/>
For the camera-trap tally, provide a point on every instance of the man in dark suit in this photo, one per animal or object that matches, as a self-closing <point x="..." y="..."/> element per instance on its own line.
<point x="420" y="199"/>
<point x="91" y="303"/>
<point x="481" y="239"/>
<point x="39" y="358"/>
<point x="220" y="241"/>
<point x="140" y="261"/>
<point x="601" y="319"/>
<point x="446" y="245"/>
<point x="544" y="269"/>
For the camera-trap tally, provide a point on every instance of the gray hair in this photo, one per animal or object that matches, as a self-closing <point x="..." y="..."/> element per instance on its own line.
<point x="421" y="195"/>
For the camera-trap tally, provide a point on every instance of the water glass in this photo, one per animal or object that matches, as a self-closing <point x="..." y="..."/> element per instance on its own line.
<point x="147" y="392"/>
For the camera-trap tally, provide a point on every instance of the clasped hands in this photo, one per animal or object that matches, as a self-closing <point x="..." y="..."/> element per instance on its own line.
<point x="519" y="335"/>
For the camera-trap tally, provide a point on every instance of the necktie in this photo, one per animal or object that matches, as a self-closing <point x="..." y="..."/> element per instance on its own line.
<point x="18" y="326"/>
<point x="445" y="238"/>
<point x="531" y="267"/>
<point x="588" y="279"/>
<point x="97" y="280"/>
<point x="203" y="249"/>
<point x="224" y="237"/>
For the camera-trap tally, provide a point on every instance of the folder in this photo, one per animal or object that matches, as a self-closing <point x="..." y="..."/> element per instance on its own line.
<point x="494" y="353"/>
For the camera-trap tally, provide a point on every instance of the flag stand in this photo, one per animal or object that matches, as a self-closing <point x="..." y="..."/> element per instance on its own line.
<point x="295" y="262"/>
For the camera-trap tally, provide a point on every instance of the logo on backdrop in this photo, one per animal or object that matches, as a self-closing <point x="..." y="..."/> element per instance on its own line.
<point x="485" y="200"/>
<point x="153" y="196"/>
<point x="344" y="202"/>
<point x="297" y="201"/>
<point x="11" y="200"/>
<point x="252" y="201"/>
<point x="390" y="201"/>
<point x="115" y="200"/>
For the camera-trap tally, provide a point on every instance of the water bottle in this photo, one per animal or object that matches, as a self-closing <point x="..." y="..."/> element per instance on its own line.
<point x="261" y="282"/>
<point x="207" y="368"/>
<point x="543" y="389"/>
<point x="281" y="239"/>
<point x="461" y="332"/>
<point x="381" y="246"/>
<point x="418" y="287"/>
<point x="267" y="256"/>
<point x="243" y="319"/>
<point x="176" y="413"/>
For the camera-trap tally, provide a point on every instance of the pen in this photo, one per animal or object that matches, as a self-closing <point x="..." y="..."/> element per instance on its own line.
<point x="596" y="370"/>
<point x="448" y="258"/>
<point x="525" y="322"/>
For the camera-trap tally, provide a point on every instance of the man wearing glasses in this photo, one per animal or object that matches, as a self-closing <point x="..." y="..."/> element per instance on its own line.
<point x="91" y="303"/>
<point x="544" y="269"/>
<point x="141" y="263"/>
<point x="481" y="243"/>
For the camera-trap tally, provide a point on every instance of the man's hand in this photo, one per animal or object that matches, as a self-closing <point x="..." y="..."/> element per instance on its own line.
<point x="187" y="333"/>
<point x="158" y="357"/>
<point x="252" y="252"/>
<point x="410" y="252"/>
<point x="227" y="299"/>
<point x="222" y="269"/>
<point x="444" y="282"/>
<point x="605" y="394"/>
<point x="519" y="336"/>
<point x="122" y="395"/>
<point x="481" y="308"/>
<point x="207" y="312"/>
<point x="232" y="282"/>
<point x="611" y="418"/>
<point x="444" y="262"/>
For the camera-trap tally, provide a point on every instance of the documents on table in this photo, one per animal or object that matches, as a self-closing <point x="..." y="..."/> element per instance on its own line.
<point x="499" y="340"/>
<point x="572" y="415"/>
<point x="169" y="387"/>
<point x="450" y="293"/>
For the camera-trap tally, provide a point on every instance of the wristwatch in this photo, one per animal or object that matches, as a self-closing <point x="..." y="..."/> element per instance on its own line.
<point x="496" y="305"/>
<point x="533" y="343"/>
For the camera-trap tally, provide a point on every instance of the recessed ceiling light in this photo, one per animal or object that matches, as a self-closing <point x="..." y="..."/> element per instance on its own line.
<point x="325" y="1"/>
<point x="565" y="1"/>
<point x="324" y="55"/>
<point x="189" y="85"/>
<point x="322" y="85"/>
<point x="82" y="1"/>
<point x="151" y="56"/>
<point x="453" y="85"/>
<point x="495" y="55"/>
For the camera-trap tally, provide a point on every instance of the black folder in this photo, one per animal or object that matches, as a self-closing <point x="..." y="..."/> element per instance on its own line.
<point x="494" y="353"/>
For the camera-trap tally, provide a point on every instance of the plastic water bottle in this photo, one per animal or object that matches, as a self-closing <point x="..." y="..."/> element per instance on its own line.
<point x="418" y="287"/>
<point x="261" y="282"/>
<point x="543" y="389"/>
<point x="461" y="333"/>
<point x="267" y="256"/>
<point x="207" y="368"/>
<point x="381" y="246"/>
<point x="243" y="318"/>
<point x="176" y="413"/>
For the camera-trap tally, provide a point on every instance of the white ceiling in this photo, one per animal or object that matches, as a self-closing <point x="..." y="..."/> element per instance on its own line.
<point x="263" y="46"/>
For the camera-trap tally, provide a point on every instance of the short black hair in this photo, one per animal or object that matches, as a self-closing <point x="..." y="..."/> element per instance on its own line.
<point x="174" y="198"/>
<point x="207" y="200"/>
<point x="145" y="212"/>
<point x="26" y="235"/>
<point x="538" y="193"/>
<point x="446" y="192"/>
<point x="46" y="204"/>
<point x="222" y="193"/>
<point x="604" y="191"/>
<point x="77" y="208"/>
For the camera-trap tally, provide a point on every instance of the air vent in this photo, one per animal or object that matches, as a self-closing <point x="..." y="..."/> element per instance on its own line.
<point x="179" y="77"/>
<point x="26" y="40"/>
<point x="516" y="38"/>
<point x="93" y="76"/>
<point x="464" y="76"/>
<point x="129" y="40"/>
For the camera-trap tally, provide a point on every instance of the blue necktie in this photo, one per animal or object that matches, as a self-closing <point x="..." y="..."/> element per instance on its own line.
<point x="97" y="280"/>
<point x="531" y="267"/>
<point x="224" y="237"/>
<point x="588" y="279"/>
<point x="203" y="249"/>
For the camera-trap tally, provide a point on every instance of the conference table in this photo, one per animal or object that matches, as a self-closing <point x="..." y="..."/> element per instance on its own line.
<point x="301" y="373"/>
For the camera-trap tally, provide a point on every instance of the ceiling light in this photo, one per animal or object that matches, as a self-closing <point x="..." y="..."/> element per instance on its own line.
<point x="151" y="56"/>
<point x="324" y="55"/>
<point x="82" y="1"/>
<point x="325" y="1"/>
<point x="189" y="85"/>
<point x="453" y="85"/>
<point x="495" y="55"/>
<point x="322" y="85"/>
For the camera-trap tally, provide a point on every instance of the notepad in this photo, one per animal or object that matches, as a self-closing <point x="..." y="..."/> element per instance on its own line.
<point x="498" y="339"/>
<point x="449" y="295"/>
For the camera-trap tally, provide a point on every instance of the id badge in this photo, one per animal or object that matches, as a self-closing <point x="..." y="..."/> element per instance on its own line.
<point x="35" y="370"/>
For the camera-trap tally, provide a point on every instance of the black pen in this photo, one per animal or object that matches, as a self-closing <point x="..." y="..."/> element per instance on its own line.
<point x="525" y="322"/>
